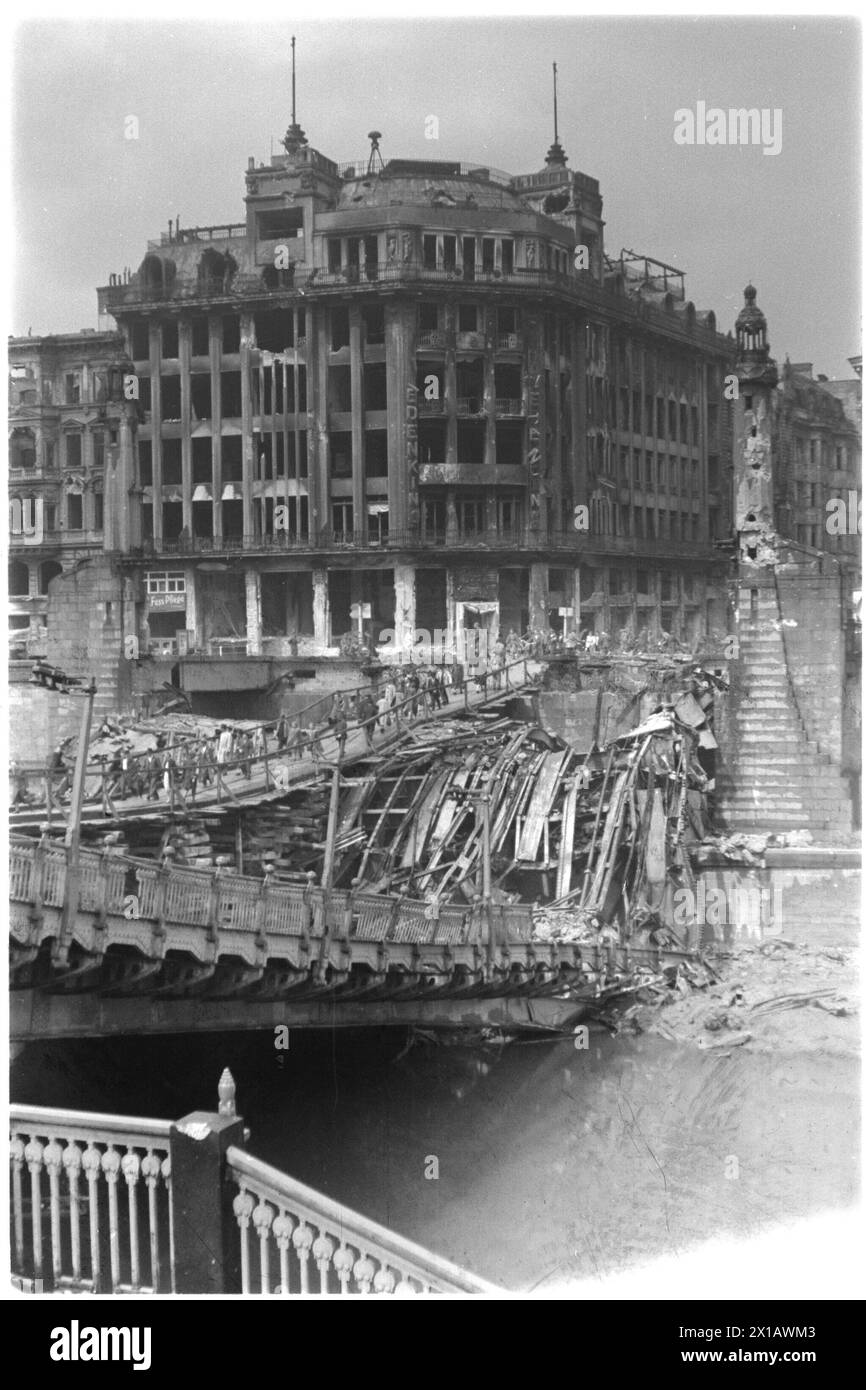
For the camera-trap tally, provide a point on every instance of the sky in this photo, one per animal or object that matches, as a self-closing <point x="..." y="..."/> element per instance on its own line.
<point x="207" y="95"/>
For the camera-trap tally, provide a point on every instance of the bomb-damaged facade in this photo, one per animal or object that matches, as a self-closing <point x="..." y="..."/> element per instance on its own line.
<point x="401" y="398"/>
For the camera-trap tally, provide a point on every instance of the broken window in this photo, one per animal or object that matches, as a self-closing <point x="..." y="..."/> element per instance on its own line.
<point x="74" y="511"/>
<point x="507" y="257"/>
<point x="170" y="397"/>
<point x="339" y="389"/>
<point x="169" y="338"/>
<point x="335" y="255"/>
<point x="232" y="463"/>
<point x="375" y="386"/>
<point x="469" y="258"/>
<point x="172" y="472"/>
<point x="200" y="395"/>
<point x="22" y="449"/>
<point x="283" y="222"/>
<point x="73" y="388"/>
<point x="376" y="453"/>
<point x="508" y="515"/>
<point x="231" y="333"/>
<point x="471" y="436"/>
<point x="508" y="385"/>
<point x="339" y="329"/>
<point x="145" y="463"/>
<point x="509" y="444"/>
<point x="428" y="316"/>
<point x="230" y="391"/>
<point x="467" y="318"/>
<point x="202" y="461"/>
<point x="432" y="435"/>
<point x="341" y="454"/>
<point x="373" y="318"/>
<point x="140" y="341"/>
<point x="275" y="330"/>
<point x="429" y="253"/>
<point x="488" y="255"/>
<point x="449" y="253"/>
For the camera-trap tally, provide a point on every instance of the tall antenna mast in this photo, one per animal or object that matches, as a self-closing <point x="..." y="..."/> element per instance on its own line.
<point x="556" y="156"/>
<point x="555" y="115"/>
<point x="294" y="137"/>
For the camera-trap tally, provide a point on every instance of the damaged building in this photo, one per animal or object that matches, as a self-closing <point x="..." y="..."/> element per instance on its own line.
<point x="401" y="400"/>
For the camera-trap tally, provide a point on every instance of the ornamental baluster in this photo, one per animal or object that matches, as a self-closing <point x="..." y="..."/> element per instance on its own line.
<point x="364" y="1270"/>
<point x="302" y="1240"/>
<point x="91" y="1162"/>
<point x="33" y="1153"/>
<point x="165" y="1169"/>
<point x="150" y="1167"/>
<point x="283" y="1227"/>
<point x="130" y="1166"/>
<point x="16" y="1150"/>
<point x="323" y="1249"/>
<point x="263" y="1217"/>
<point x="384" y="1281"/>
<point x="405" y="1288"/>
<point x="111" y="1169"/>
<point x="54" y="1165"/>
<point x="72" y="1164"/>
<point x="343" y="1262"/>
<point x="242" y="1206"/>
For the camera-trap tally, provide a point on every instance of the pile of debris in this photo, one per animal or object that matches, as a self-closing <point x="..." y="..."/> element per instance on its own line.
<point x="464" y="809"/>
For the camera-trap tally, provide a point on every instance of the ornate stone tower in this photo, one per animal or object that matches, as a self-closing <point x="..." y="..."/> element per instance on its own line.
<point x="753" y="443"/>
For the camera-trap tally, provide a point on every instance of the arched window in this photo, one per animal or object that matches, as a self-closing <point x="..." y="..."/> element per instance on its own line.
<point x="19" y="579"/>
<point x="22" y="449"/>
<point x="48" y="570"/>
<point x="216" y="272"/>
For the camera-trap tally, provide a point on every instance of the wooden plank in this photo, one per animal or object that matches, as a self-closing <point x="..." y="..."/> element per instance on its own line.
<point x="566" y="844"/>
<point x="539" y="806"/>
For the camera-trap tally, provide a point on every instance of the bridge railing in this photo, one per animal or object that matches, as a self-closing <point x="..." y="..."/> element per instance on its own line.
<point x="90" y="1199"/>
<point x="177" y="779"/>
<point x="219" y="901"/>
<point x="296" y="1240"/>
<point x="119" y="1204"/>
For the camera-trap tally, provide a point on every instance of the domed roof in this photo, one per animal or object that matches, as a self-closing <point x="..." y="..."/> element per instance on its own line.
<point x="425" y="190"/>
<point x="750" y="316"/>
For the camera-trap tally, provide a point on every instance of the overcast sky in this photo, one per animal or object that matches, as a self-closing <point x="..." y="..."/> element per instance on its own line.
<point x="207" y="96"/>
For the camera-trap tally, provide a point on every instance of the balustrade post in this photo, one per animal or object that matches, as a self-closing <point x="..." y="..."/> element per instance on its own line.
<point x="207" y="1249"/>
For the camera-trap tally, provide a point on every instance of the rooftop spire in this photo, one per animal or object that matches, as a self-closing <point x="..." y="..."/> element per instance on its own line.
<point x="294" y="137"/>
<point x="556" y="156"/>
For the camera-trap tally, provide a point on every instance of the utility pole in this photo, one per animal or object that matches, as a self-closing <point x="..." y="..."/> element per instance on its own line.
<point x="53" y="678"/>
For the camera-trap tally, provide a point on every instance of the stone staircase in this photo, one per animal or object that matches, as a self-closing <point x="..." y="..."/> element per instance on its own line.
<point x="773" y="777"/>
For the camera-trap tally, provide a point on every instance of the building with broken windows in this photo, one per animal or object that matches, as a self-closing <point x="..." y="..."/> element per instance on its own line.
<point x="401" y="399"/>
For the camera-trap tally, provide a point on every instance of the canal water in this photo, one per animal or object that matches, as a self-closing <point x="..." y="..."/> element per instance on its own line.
<point x="533" y="1164"/>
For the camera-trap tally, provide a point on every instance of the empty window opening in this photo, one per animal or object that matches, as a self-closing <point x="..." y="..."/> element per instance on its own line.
<point x="341" y="455"/>
<point x="432" y="436"/>
<point x="202" y="462"/>
<point x="509" y="444"/>
<point x="200" y="336"/>
<point x="376" y="453"/>
<point x="467" y="318"/>
<point x="230" y="384"/>
<point x="139" y="343"/>
<point x="339" y="329"/>
<point x="373" y="316"/>
<point x="200" y="398"/>
<point x="232" y="463"/>
<point x="283" y="222"/>
<point x="470" y="442"/>
<point x="275" y="330"/>
<point x="375" y="386"/>
<point x="172" y="466"/>
<point x="170" y="397"/>
<point x="339" y="390"/>
<point x="169" y="338"/>
<point x="202" y="518"/>
<point x="428" y="314"/>
<point x="231" y="333"/>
